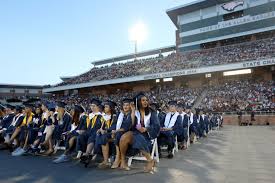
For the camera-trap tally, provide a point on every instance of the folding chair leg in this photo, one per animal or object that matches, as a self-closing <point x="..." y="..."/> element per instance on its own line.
<point x="130" y="161"/>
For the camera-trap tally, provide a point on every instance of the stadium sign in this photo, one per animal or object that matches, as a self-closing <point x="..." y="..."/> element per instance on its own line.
<point x="231" y="6"/>
<point x="212" y="69"/>
<point x="231" y="23"/>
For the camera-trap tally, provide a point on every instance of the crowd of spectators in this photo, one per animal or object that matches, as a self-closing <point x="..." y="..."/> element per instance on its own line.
<point x="253" y="50"/>
<point x="244" y="95"/>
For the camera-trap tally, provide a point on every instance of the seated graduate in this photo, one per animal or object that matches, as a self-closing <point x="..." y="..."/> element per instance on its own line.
<point x="6" y="117"/>
<point x="79" y="124"/>
<point x="29" y="132"/>
<point x="46" y="109"/>
<point x="170" y="128"/>
<point x="145" y="128"/>
<point x="49" y="119"/>
<point x="120" y="125"/>
<point x="22" y="128"/>
<point x="105" y="135"/>
<point x="14" y="117"/>
<point x="86" y="141"/>
<point x="61" y="126"/>
<point x="193" y="132"/>
<point x="182" y="139"/>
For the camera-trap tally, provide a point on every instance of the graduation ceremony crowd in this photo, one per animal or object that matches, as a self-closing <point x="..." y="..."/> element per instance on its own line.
<point x="262" y="48"/>
<point x="107" y="129"/>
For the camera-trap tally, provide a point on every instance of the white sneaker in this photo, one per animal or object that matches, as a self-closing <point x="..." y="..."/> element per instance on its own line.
<point x="17" y="149"/>
<point x="20" y="152"/>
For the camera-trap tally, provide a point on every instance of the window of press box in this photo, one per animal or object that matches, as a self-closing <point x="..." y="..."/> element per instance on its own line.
<point x="233" y="15"/>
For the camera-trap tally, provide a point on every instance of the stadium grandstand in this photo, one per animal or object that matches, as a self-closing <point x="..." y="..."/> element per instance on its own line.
<point x="217" y="42"/>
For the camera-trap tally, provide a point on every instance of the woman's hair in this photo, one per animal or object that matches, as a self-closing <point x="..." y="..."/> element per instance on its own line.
<point x="139" y="105"/>
<point x="76" y="117"/>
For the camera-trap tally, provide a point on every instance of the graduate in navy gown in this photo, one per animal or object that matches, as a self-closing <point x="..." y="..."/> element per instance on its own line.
<point x="30" y="131"/>
<point x="61" y="125"/>
<point x="21" y="127"/>
<point x="185" y="125"/>
<point x="79" y="124"/>
<point x="48" y="110"/>
<point x="86" y="141"/>
<point x="145" y="128"/>
<point x="171" y="127"/>
<point x="123" y="125"/>
<point x="108" y="133"/>
<point x="13" y="118"/>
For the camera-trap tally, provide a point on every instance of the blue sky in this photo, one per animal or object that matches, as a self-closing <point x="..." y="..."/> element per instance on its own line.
<point x="41" y="40"/>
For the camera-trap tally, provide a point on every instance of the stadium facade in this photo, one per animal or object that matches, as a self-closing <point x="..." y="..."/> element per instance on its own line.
<point x="11" y="90"/>
<point x="203" y="24"/>
<point x="213" y="21"/>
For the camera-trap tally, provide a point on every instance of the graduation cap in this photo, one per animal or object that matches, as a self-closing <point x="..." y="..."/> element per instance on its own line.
<point x="79" y="108"/>
<point x="127" y="100"/>
<point x="13" y="100"/>
<point x="51" y="107"/>
<point x="110" y="103"/>
<point x="173" y="102"/>
<point x="96" y="101"/>
<point x="19" y="108"/>
<point x="33" y="100"/>
<point x="2" y="107"/>
<point x="61" y="104"/>
<point x="12" y="107"/>
<point x="28" y="105"/>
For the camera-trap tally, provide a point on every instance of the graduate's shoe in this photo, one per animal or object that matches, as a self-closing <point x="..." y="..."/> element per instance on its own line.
<point x="61" y="159"/>
<point x="103" y="165"/>
<point x="115" y="165"/>
<point x="18" y="152"/>
<point x="48" y="152"/>
<point x="170" y="155"/>
<point x="125" y="167"/>
<point x="150" y="166"/>
<point x="15" y="151"/>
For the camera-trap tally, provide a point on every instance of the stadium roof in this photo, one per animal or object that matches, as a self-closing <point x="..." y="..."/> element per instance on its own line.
<point x="190" y="7"/>
<point x="21" y="86"/>
<point x="132" y="56"/>
<point x="66" y="78"/>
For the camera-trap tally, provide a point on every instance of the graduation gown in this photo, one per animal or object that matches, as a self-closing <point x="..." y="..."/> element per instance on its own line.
<point x="142" y="141"/>
<point x="62" y="126"/>
<point x="168" y="137"/>
<point x="90" y="134"/>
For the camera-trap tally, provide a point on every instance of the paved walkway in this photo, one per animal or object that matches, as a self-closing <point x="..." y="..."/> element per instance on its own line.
<point x="233" y="155"/>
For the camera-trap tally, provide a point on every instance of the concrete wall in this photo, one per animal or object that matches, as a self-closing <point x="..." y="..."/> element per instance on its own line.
<point x="260" y="119"/>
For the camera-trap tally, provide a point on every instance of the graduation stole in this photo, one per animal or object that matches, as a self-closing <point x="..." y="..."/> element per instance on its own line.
<point x="170" y="121"/>
<point x="108" y="121"/>
<point x="27" y="120"/>
<point x="146" y="118"/>
<point x="94" y="120"/>
<point x="119" y="120"/>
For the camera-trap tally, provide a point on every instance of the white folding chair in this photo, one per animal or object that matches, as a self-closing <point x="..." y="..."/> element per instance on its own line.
<point x="176" y="147"/>
<point x="188" y="136"/>
<point x="154" y="154"/>
<point x="58" y="147"/>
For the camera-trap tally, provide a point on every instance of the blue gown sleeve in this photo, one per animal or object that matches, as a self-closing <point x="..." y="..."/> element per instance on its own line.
<point x="178" y="127"/>
<point x="127" y="123"/>
<point x="185" y="121"/>
<point x="154" y="127"/>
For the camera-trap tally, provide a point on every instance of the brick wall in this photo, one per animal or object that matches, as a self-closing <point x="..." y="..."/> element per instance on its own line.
<point x="260" y="119"/>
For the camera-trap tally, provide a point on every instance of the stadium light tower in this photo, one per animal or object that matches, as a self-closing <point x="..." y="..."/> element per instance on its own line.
<point x="138" y="34"/>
